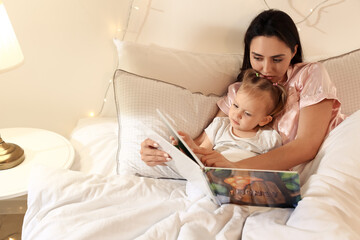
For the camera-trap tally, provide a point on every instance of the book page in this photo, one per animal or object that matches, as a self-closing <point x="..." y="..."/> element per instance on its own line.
<point x="185" y="166"/>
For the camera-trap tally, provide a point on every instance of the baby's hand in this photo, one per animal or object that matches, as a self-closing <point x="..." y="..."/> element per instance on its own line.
<point x="213" y="158"/>
<point x="189" y="141"/>
<point x="173" y="141"/>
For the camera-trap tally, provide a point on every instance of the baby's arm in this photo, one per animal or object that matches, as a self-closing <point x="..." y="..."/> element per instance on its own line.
<point x="198" y="140"/>
<point x="206" y="143"/>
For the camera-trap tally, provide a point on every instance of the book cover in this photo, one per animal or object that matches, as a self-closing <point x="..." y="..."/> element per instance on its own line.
<point x="254" y="187"/>
<point x="224" y="185"/>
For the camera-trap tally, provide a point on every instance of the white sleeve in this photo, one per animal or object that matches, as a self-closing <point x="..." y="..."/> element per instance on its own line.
<point x="270" y="139"/>
<point x="213" y="131"/>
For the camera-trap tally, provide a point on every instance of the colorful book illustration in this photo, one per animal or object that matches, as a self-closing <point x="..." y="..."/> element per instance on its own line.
<point x="224" y="185"/>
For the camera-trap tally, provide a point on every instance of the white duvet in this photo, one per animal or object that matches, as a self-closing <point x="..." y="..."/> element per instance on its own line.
<point x="84" y="206"/>
<point x="65" y="204"/>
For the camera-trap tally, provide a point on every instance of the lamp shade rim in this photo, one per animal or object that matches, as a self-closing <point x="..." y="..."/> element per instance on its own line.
<point x="10" y="51"/>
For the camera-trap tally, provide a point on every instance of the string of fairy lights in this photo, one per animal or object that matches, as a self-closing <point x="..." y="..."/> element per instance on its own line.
<point x="134" y="7"/>
<point x="122" y="32"/>
<point x="311" y="11"/>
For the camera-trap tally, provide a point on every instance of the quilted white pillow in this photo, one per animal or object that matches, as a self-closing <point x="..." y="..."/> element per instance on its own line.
<point x="156" y="77"/>
<point x="136" y="100"/>
<point x="198" y="72"/>
<point x="344" y="71"/>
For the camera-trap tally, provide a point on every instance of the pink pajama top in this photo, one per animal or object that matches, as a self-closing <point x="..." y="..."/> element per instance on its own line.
<point x="306" y="85"/>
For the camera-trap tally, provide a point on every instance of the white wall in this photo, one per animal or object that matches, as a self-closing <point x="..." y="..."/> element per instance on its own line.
<point x="69" y="59"/>
<point x="69" y="55"/>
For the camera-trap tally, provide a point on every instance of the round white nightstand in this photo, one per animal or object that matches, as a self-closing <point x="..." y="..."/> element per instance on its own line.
<point x="40" y="147"/>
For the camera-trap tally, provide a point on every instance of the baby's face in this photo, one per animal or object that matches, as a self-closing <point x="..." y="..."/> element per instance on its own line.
<point x="248" y="111"/>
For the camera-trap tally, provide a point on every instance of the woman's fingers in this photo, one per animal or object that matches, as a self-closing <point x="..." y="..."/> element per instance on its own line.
<point x="148" y="143"/>
<point x="155" y="155"/>
<point x="151" y="155"/>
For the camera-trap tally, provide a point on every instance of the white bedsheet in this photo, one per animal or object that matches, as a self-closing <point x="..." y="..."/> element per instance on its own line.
<point x="64" y="204"/>
<point x="83" y="206"/>
<point x="330" y="208"/>
<point x="96" y="142"/>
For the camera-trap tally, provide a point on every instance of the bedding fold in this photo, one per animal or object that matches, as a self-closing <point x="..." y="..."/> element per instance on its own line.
<point x="64" y="204"/>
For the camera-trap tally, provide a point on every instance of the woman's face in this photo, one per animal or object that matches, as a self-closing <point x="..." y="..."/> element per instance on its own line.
<point x="271" y="57"/>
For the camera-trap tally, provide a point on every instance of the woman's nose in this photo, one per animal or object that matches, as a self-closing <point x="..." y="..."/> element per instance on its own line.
<point x="267" y="67"/>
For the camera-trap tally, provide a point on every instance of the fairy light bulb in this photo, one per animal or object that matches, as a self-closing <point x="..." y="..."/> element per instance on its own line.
<point x="91" y="114"/>
<point x="311" y="11"/>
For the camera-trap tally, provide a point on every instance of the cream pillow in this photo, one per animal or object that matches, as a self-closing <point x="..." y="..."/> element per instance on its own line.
<point x="198" y="72"/>
<point x="137" y="99"/>
<point x="184" y="85"/>
<point x="344" y="72"/>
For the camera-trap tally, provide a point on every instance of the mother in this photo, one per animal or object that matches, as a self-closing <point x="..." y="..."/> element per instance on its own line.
<point x="273" y="48"/>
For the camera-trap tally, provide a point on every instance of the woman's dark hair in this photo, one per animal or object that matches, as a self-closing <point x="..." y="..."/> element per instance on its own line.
<point x="272" y="23"/>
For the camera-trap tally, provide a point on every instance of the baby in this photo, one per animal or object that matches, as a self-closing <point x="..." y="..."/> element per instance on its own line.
<point x="245" y="132"/>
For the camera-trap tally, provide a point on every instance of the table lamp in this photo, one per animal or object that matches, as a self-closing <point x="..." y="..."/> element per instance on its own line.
<point x="10" y="56"/>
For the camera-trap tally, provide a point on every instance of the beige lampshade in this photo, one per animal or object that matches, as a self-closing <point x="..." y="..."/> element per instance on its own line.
<point x="11" y="154"/>
<point x="10" y="51"/>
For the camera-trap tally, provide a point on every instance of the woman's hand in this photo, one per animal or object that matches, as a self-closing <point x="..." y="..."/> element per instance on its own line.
<point x="212" y="158"/>
<point x="151" y="155"/>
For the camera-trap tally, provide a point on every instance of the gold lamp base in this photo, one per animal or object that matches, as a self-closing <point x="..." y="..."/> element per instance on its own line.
<point x="11" y="155"/>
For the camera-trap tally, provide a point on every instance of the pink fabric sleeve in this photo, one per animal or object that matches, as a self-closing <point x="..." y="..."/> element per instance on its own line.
<point x="225" y="103"/>
<point x="315" y="85"/>
<point x="307" y="84"/>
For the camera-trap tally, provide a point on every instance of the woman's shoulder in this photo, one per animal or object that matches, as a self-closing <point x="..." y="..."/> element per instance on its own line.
<point x="308" y="67"/>
<point x="307" y="72"/>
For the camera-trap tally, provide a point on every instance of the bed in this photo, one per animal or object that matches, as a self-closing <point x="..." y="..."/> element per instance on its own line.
<point x="109" y="193"/>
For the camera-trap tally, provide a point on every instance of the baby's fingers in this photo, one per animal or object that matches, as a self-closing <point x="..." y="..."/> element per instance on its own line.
<point x="173" y="141"/>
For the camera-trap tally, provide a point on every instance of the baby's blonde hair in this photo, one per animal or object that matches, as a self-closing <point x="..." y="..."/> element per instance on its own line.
<point x="254" y="83"/>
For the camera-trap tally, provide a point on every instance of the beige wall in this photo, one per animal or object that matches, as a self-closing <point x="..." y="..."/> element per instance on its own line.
<point x="69" y="54"/>
<point x="69" y="59"/>
<point x="218" y="26"/>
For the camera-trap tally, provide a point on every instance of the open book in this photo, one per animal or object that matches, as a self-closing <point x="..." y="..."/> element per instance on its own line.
<point x="224" y="185"/>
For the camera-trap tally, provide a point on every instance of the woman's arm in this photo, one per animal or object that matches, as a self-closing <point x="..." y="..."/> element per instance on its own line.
<point x="313" y="124"/>
<point x="152" y="156"/>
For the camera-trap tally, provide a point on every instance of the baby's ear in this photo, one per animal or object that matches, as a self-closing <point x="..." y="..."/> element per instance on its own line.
<point x="265" y="121"/>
